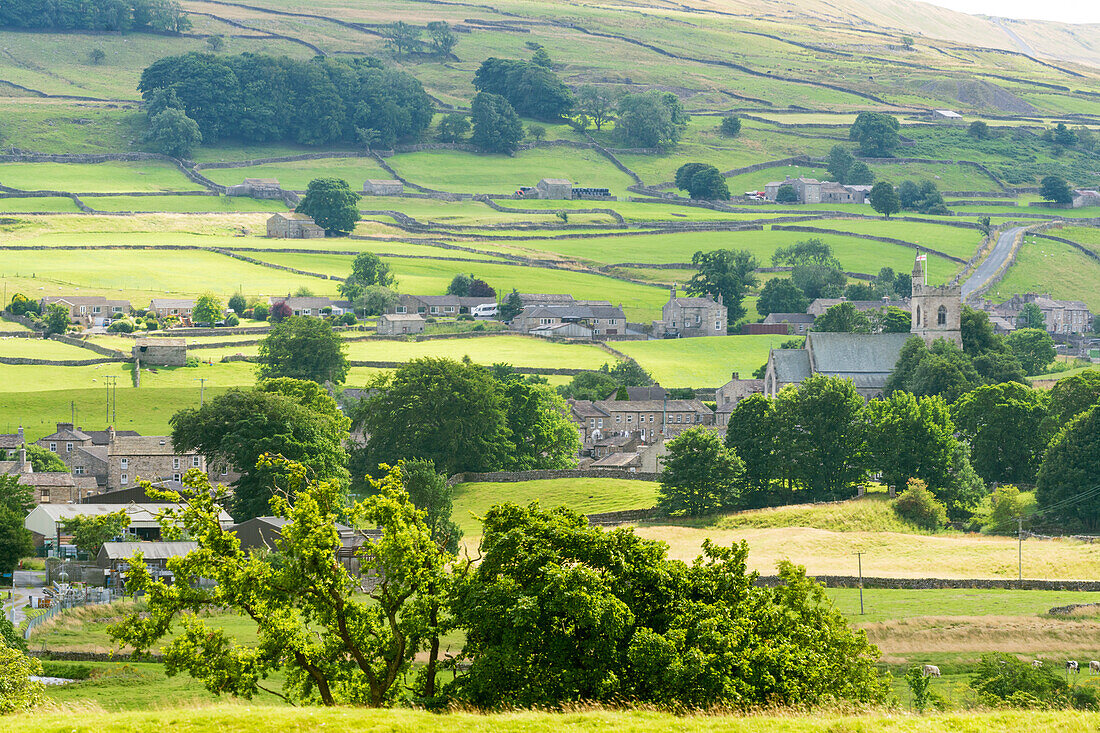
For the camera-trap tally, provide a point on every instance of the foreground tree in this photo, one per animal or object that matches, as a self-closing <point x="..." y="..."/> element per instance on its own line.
<point x="289" y="418"/>
<point x="843" y="318"/>
<point x="1033" y="347"/>
<point x="16" y="541"/>
<point x="332" y="204"/>
<point x="753" y="437"/>
<point x="1055" y="190"/>
<point x="18" y="692"/>
<point x="453" y="128"/>
<point x="208" y="310"/>
<point x="780" y="295"/>
<point x="1070" y="474"/>
<point x="727" y="275"/>
<point x="558" y="612"/>
<point x="1070" y="396"/>
<point x="884" y="199"/>
<point x="700" y="474"/>
<point x="303" y="348"/>
<point x="313" y="623"/>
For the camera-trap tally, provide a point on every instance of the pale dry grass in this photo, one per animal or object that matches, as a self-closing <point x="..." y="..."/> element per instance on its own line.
<point x="890" y="554"/>
<point x="977" y="635"/>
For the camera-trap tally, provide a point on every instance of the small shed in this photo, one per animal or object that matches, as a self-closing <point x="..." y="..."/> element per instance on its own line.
<point x="383" y="187"/>
<point x="555" y="188"/>
<point x="160" y="351"/>
<point x="395" y="324"/>
<point x="946" y="115"/>
<point x="155" y="554"/>
<point x="293" y="225"/>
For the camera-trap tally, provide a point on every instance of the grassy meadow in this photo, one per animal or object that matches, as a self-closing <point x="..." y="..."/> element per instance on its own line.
<point x="701" y="362"/>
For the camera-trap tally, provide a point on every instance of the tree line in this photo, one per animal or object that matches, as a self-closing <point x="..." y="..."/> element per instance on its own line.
<point x="165" y="16"/>
<point x="259" y="98"/>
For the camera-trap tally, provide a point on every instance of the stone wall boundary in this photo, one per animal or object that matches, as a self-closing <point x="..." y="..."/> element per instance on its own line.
<point x="82" y="344"/>
<point x="851" y="581"/>
<point x="24" y="361"/>
<point x="1076" y="245"/>
<point x="542" y="475"/>
<point x="53" y="656"/>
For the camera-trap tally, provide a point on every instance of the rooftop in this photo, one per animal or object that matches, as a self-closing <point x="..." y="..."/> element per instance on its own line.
<point x="149" y="550"/>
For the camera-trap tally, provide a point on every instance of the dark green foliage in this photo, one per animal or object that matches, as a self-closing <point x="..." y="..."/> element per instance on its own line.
<point x="1063" y="136"/>
<point x="375" y="300"/>
<point x="531" y="89"/>
<point x="430" y="493"/>
<point x="1034" y="348"/>
<point x="876" y="133"/>
<point x="780" y="295"/>
<point x="947" y="371"/>
<point x="589" y="386"/>
<point x="15" y="539"/>
<point x="559" y="612"/>
<point x="97" y="56"/>
<point x="497" y="128"/>
<point x="786" y="194"/>
<point x="1070" y="396"/>
<point x="173" y="133"/>
<point x="56" y="319"/>
<point x="860" y="291"/>
<point x="367" y="270"/>
<point x="977" y="332"/>
<point x="460" y="285"/>
<point x="511" y="307"/>
<point x="822" y="437"/>
<point x="816" y="272"/>
<point x="892" y="320"/>
<point x="996" y="367"/>
<point x="838" y="162"/>
<point x="700" y="474"/>
<point x="650" y="119"/>
<point x="160" y="16"/>
<point x="237" y="303"/>
<point x="11" y="638"/>
<point x="402" y="38"/>
<point x="453" y="128"/>
<point x="628" y="373"/>
<point x="1007" y="429"/>
<point x="1030" y="316"/>
<point x="541" y="434"/>
<point x="14" y="496"/>
<point x="702" y="181"/>
<point x="727" y="275"/>
<point x="296" y="420"/>
<point x="597" y="104"/>
<point x="261" y="311"/>
<point x="730" y="126"/>
<point x="258" y="98"/>
<point x="332" y="205"/>
<point x="1070" y="474"/>
<point x="621" y="394"/>
<point x="1006" y="680"/>
<point x="541" y="57"/>
<point x="843" y="318"/>
<point x="859" y="174"/>
<point x="884" y="199"/>
<point x="923" y="198"/>
<point x="978" y="130"/>
<point x="21" y="305"/>
<point x="303" y="348"/>
<point x="753" y="437"/>
<point x="536" y="132"/>
<point x="910" y="437"/>
<point x="1056" y="190"/>
<point x="918" y="505"/>
<point x="442" y="38"/>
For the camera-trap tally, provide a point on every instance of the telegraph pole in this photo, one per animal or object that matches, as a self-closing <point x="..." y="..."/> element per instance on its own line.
<point x="859" y="561"/>
<point x="202" y="388"/>
<point x="1020" y="544"/>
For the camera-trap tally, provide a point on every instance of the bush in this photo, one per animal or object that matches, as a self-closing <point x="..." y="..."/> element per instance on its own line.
<point x="1003" y="680"/>
<point x="478" y="327"/>
<point x="918" y="505"/>
<point x="465" y="317"/>
<point x="232" y="320"/>
<point x="261" y="311"/>
<point x="348" y="319"/>
<point x="121" y="326"/>
<point x="730" y="126"/>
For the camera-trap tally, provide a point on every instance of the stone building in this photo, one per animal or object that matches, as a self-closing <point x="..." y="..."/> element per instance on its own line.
<point x="383" y="187"/>
<point x="602" y="318"/>
<point x="179" y="307"/>
<point x="83" y="451"/>
<point x="152" y="458"/>
<point x="257" y="188"/>
<point x="797" y="323"/>
<point x="446" y="306"/>
<point x="314" y="306"/>
<point x="818" y="306"/>
<point x="554" y="188"/>
<point x="937" y="311"/>
<point x="688" y="317"/>
<point x="160" y="351"/>
<point x="731" y="393"/>
<point x="1059" y="316"/>
<point x="89" y="310"/>
<point x="48" y="487"/>
<point x="293" y="226"/>
<point x="813" y="191"/>
<point x="396" y="324"/>
<point x="647" y="420"/>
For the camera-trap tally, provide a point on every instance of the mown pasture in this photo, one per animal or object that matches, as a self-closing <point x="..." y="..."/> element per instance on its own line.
<point x="701" y="362"/>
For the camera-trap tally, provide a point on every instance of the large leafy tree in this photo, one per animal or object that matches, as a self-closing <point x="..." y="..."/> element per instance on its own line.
<point x="727" y="274"/>
<point x="15" y="539"/>
<point x="1070" y="396"/>
<point x="208" y="309"/>
<point x="815" y="271"/>
<point x="876" y="133"/>
<point x="700" y="474"/>
<point x="56" y="319"/>
<point x="843" y="318"/>
<point x="589" y="386"/>
<point x="89" y="532"/>
<point x="1056" y="190"/>
<point x="173" y="133"/>
<point x="295" y="420"/>
<point x="1007" y="429"/>
<point x="702" y="181"/>
<point x="752" y="435"/>
<point x="532" y="89"/>
<point x="367" y="269"/>
<point x="978" y="336"/>
<point x="945" y="370"/>
<point x="1033" y="347"/>
<point x="884" y="199"/>
<point x="542" y="435"/>
<point x="303" y="348"/>
<point x="332" y="204"/>
<point x="780" y="295"/>
<point x="1031" y="316"/>
<point x="597" y="103"/>
<point x="650" y="119"/>
<point x="497" y="128"/>
<point x="823" y="437"/>
<point x="18" y="691"/>
<point x="1069" y="478"/>
<point x="14" y="496"/>
<point x="557" y="611"/>
<point x="312" y="621"/>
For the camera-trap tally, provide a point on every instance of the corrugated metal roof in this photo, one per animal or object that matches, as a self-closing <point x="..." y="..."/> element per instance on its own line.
<point x="150" y="550"/>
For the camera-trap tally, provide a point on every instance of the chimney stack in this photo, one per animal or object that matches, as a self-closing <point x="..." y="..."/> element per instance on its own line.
<point x="22" y="466"/>
<point x="21" y="439"/>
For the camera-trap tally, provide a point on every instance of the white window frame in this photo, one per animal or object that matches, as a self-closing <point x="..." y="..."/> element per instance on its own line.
<point x="68" y="447"/>
<point x="195" y="461"/>
<point x="124" y="464"/>
<point x="53" y="447"/>
<point x="78" y="470"/>
<point x="124" y="480"/>
<point x="177" y="477"/>
<point x="175" y="463"/>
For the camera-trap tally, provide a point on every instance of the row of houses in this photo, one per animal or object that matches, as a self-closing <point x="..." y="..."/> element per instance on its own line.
<point x="813" y="191"/>
<point x="1059" y="316"/>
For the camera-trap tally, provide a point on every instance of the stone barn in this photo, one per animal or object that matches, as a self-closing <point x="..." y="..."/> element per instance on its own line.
<point x="555" y="188"/>
<point x="257" y="188"/>
<point x="396" y="324"/>
<point x="160" y="351"/>
<point x="293" y="226"/>
<point x="383" y="187"/>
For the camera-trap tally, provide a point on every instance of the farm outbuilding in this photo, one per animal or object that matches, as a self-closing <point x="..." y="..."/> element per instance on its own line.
<point x="383" y="187"/>
<point x="395" y="324"/>
<point x="293" y="226"/>
<point x="257" y="188"/>
<point x="160" y="351"/>
<point x="555" y="188"/>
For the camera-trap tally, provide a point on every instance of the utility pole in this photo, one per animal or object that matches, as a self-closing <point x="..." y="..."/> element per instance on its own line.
<point x="859" y="561"/>
<point x="1020" y="544"/>
<point x="112" y="397"/>
<point x="72" y="411"/>
<point x="202" y="388"/>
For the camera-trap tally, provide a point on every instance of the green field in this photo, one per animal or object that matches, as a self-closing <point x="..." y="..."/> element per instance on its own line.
<point x="95" y="177"/>
<point x="182" y="204"/>
<point x="39" y="348"/>
<point x="296" y="175"/>
<point x="584" y="495"/>
<point x="1044" y="266"/>
<point x="701" y="362"/>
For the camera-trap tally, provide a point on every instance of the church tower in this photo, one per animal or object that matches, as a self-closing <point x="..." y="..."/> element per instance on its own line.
<point x="937" y="312"/>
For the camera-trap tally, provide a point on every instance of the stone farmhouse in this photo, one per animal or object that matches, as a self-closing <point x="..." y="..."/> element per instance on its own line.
<point x="686" y="317"/>
<point x="1059" y="316"/>
<point x="293" y="226"/>
<point x="597" y="317"/>
<point x="383" y="187"/>
<point x="10" y="443"/>
<point x="554" y="188"/>
<point x="813" y="191"/>
<point x="257" y="188"/>
<point x="396" y="324"/>
<point x="314" y="306"/>
<point x="648" y="420"/>
<point x="868" y="358"/>
<point x="83" y="451"/>
<point x="131" y="458"/>
<point x="731" y="393"/>
<point x="160" y="351"/>
<point x="439" y="305"/>
<point x="179" y="307"/>
<point x="89" y="310"/>
<point x="48" y="487"/>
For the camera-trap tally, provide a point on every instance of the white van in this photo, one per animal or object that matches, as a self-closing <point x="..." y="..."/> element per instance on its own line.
<point x="485" y="310"/>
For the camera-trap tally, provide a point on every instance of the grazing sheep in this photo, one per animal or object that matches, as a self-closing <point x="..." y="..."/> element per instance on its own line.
<point x="931" y="670"/>
<point x="1037" y="663"/>
<point x="1071" y="666"/>
<point x="1094" y="667"/>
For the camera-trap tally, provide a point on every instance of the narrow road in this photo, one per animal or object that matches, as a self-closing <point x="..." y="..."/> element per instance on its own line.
<point x="993" y="262"/>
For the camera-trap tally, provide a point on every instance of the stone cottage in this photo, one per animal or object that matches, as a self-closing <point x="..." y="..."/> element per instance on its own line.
<point x="688" y="317"/>
<point x="293" y="226"/>
<point x="257" y="188"/>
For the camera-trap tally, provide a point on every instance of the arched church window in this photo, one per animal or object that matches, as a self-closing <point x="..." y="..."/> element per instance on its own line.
<point x="920" y="321"/>
<point x="941" y="316"/>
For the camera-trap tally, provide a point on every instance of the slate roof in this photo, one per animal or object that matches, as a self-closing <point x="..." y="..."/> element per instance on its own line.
<point x="586" y="408"/>
<point x="791" y="365"/>
<point x="159" y="341"/>
<point x="789" y="318"/>
<point x="574" y="311"/>
<point x="150" y="550"/>
<point x="172" y="303"/>
<point x="464" y="301"/>
<point x="102" y="437"/>
<point x="66" y="432"/>
<point x="616" y="460"/>
<point x="846" y="354"/>
<point x="10" y="441"/>
<point x="556" y="181"/>
<point x="137" y="445"/>
<point x="652" y="392"/>
<point x="612" y="406"/>
<point x="402" y="317"/>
